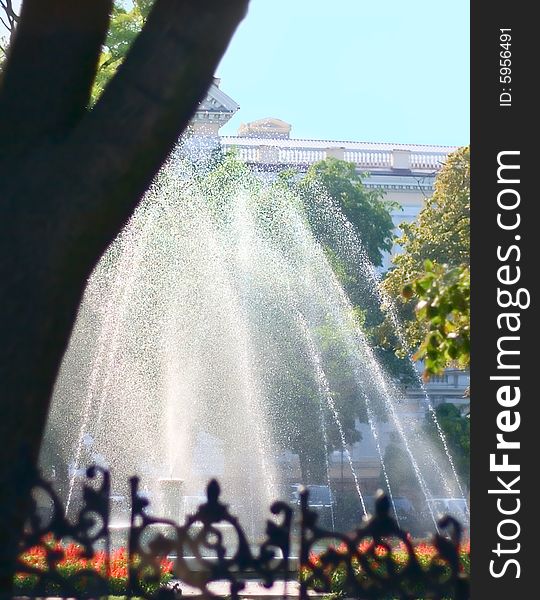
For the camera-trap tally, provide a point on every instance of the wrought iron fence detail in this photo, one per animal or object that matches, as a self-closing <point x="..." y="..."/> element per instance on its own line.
<point x="364" y="565"/>
<point x="90" y="528"/>
<point x="359" y="565"/>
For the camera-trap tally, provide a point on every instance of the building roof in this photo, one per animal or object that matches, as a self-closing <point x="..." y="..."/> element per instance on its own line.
<point x="217" y="101"/>
<point x="347" y="145"/>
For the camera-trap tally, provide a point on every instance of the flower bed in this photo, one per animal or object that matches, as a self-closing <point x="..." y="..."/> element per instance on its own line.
<point x="70" y="565"/>
<point x="384" y="564"/>
<point x="46" y="569"/>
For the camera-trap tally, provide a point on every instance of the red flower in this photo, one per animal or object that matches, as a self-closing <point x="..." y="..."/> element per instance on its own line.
<point x="166" y="566"/>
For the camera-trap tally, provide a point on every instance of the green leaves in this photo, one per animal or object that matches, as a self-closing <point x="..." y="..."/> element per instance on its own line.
<point x="444" y="308"/>
<point x="456" y="429"/>
<point x="433" y="299"/>
<point x="370" y="214"/>
<point x="124" y="27"/>
<point x="367" y="209"/>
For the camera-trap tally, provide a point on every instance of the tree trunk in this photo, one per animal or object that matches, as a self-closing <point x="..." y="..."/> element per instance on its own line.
<point x="69" y="180"/>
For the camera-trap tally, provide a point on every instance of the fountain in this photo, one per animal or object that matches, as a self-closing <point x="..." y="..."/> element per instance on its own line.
<point x="202" y="341"/>
<point x="171" y="498"/>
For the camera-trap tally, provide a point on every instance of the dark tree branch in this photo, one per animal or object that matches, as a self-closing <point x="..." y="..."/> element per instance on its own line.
<point x="9" y="21"/>
<point x="69" y="180"/>
<point x="11" y="16"/>
<point x="48" y="78"/>
<point x="144" y="109"/>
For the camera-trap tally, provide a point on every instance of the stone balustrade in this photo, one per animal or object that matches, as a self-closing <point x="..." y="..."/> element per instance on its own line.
<point x="366" y="156"/>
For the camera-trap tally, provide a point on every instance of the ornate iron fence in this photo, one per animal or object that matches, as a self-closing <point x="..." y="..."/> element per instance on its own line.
<point x="357" y="565"/>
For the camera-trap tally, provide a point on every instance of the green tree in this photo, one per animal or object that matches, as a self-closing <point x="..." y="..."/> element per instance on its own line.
<point x="367" y="209"/>
<point x="370" y="215"/>
<point x="125" y="24"/>
<point x="444" y="310"/>
<point x="456" y="428"/>
<point x="398" y="466"/>
<point x="441" y="235"/>
<point x="303" y="418"/>
<point x="442" y="232"/>
<point x="296" y="417"/>
<point x="298" y="408"/>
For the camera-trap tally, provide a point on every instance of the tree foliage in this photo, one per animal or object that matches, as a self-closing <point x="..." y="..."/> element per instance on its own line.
<point x="444" y="309"/>
<point x="126" y="22"/>
<point x="398" y="466"/>
<point x="442" y="232"/>
<point x="370" y="215"/>
<point x="441" y="235"/>
<point x="456" y="429"/>
<point x="367" y="209"/>
<point x="125" y="25"/>
<point x="299" y="410"/>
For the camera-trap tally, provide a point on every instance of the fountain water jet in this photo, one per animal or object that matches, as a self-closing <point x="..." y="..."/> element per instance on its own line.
<point x="351" y="249"/>
<point x="326" y="393"/>
<point x="191" y="330"/>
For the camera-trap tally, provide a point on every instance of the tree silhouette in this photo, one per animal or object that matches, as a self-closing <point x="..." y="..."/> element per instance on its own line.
<point x="70" y="177"/>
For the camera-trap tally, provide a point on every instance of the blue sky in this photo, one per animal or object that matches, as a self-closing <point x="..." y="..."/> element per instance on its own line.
<point x="379" y="70"/>
<point x="390" y="70"/>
